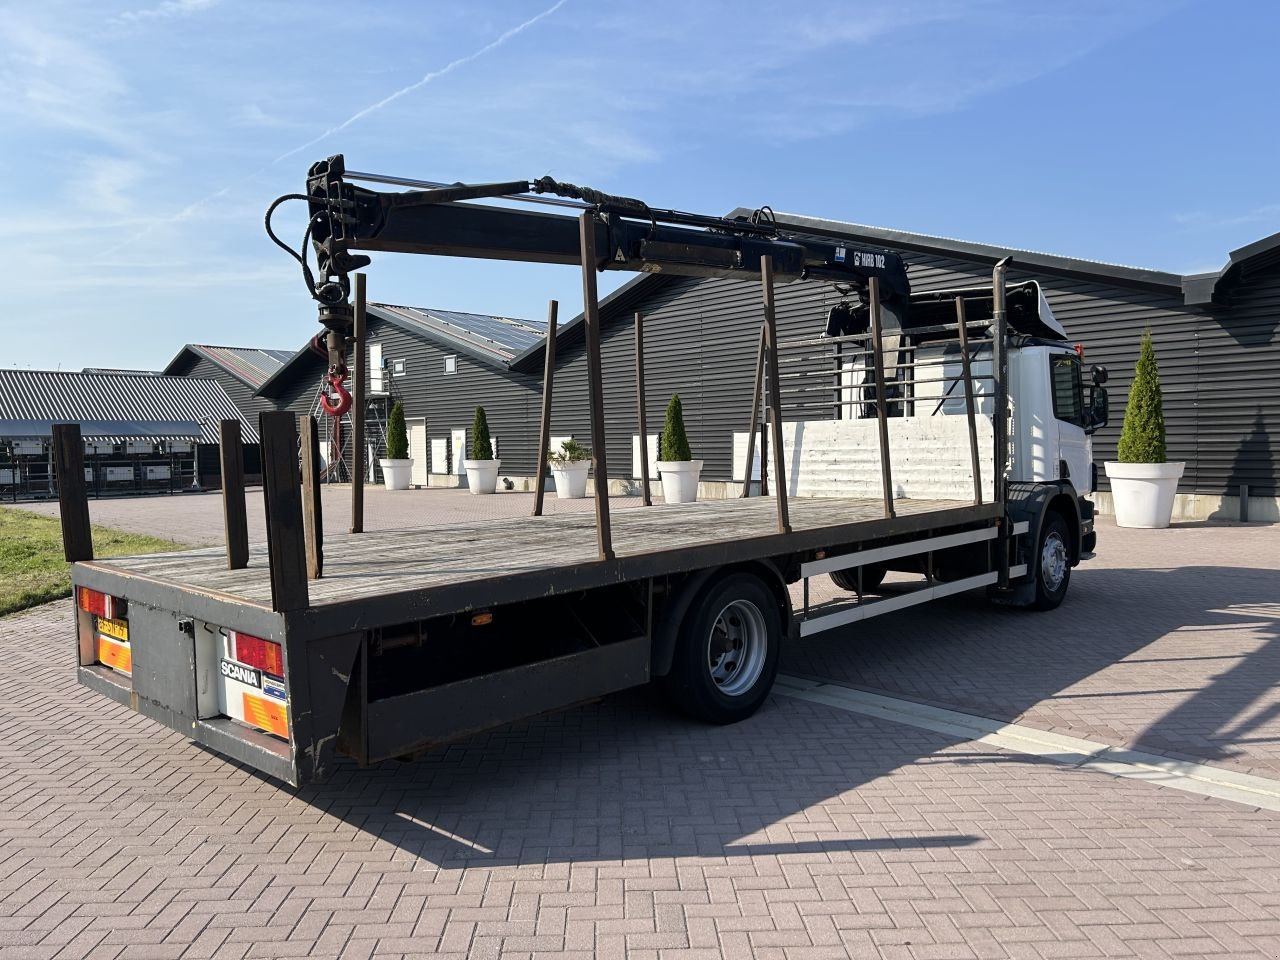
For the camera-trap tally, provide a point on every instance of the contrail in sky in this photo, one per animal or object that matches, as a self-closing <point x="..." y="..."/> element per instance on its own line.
<point x="433" y="75"/>
<point x="492" y="45"/>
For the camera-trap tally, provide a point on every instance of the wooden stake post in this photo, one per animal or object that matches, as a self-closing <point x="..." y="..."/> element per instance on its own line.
<point x="644" y="426"/>
<point x="286" y="548"/>
<point x="775" y="392"/>
<point x="358" y="405"/>
<point x="591" y="320"/>
<point x="544" y="426"/>
<point x="235" y="522"/>
<point x="312" y="517"/>
<point x="882" y="403"/>
<point x="756" y="390"/>
<point x="73" y="503"/>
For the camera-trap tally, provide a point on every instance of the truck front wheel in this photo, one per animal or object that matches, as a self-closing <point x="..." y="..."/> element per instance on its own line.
<point x="1053" y="563"/>
<point x="726" y="654"/>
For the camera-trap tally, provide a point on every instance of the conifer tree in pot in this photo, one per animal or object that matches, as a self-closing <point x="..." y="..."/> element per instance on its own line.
<point x="569" y="466"/>
<point x="1143" y="482"/>
<point x="678" y="469"/>
<point x="482" y="469"/>
<point x="397" y="467"/>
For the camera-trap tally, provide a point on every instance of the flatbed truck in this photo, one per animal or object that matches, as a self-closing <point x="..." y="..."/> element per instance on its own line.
<point x="401" y="640"/>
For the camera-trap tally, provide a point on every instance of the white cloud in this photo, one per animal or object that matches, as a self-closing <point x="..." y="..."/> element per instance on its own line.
<point x="166" y="10"/>
<point x="53" y="80"/>
<point x="1263" y="213"/>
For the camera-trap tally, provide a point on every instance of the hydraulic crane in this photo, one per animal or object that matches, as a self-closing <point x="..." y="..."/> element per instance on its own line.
<point x="447" y="220"/>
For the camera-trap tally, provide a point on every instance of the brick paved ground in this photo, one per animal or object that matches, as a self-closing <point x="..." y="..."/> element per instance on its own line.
<point x="616" y="827"/>
<point x="1169" y="639"/>
<point x="610" y="829"/>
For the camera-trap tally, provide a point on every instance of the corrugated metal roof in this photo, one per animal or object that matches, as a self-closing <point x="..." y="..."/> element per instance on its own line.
<point x="49" y="397"/>
<point x="252" y="366"/>
<point x="928" y="243"/>
<point x="123" y="372"/>
<point x="492" y="337"/>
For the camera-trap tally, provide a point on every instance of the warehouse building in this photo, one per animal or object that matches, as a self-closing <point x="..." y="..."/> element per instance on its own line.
<point x="143" y="432"/>
<point x="240" y="371"/>
<point x="1215" y="334"/>
<point x="441" y="365"/>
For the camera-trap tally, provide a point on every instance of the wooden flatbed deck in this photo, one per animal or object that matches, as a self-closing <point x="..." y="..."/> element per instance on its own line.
<point x="548" y="553"/>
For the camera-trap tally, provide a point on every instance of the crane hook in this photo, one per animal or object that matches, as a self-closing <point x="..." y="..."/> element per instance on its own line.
<point x="340" y="403"/>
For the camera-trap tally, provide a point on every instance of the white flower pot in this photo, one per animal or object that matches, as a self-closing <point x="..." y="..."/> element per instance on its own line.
<point x="482" y="475"/>
<point x="571" y="479"/>
<point x="396" y="473"/>
<point x="680" y="480"/>
<point x="1143" y="492"/>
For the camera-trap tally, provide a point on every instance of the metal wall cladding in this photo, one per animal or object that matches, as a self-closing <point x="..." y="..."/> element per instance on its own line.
<point x="241" y="394"/>
<point x="448" y="401"/>
<point x="1220" y="371"/>
<point x="1238" y="440"/>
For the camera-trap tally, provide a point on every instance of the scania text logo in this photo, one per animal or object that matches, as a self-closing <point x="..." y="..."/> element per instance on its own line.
<point x="238" y="671"/>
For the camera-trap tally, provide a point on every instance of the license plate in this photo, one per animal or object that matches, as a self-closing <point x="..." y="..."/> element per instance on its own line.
<point x="114" y="628"/>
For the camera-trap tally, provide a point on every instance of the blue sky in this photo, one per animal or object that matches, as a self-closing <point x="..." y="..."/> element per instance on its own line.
<point x="144" y="140"/>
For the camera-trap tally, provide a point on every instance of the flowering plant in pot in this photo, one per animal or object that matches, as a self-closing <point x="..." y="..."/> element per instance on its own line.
<point x="676" y="465"/>
<point x="482" y="468"/>
<point x="569" y="467"/>
<point x="1143" y="482"/>
<point x="396" y="465"/>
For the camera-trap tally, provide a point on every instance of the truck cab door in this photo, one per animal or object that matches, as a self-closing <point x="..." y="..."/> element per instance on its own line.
<point x="1075" y="449"/>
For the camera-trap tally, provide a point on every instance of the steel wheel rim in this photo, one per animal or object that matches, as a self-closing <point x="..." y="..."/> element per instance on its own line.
<point x="1053" y="561"/>
<point x="737" y="647"/>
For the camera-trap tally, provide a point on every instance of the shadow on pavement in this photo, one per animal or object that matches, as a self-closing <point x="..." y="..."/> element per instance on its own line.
<point x="624" y="779"/>
<point x="1006" y="664"/>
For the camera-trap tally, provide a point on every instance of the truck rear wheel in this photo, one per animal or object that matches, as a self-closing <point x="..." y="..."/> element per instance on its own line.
<point x="726" y="654"/>
<point x="872" y="576"/>
<point x="1053" y="563"/>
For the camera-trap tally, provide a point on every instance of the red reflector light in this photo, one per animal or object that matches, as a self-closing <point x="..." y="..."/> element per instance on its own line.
<point x="256" y="652"/>
<point x="100" y="604"/>
<point x="1080" y="350"/>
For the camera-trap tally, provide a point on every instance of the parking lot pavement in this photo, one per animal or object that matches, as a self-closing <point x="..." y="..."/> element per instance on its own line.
<point x="1169" y="640"/>
<point x="618" y="829"/>
<point x="613" y="829"/>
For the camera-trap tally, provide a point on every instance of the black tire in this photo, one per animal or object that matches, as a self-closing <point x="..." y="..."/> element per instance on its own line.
<point x="872" y="576"/>
<point x="1052" y="565"/>
<point x="740" y="610"/>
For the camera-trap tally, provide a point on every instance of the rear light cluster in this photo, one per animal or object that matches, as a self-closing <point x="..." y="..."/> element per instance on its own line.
<point x="256" y="652"/>
<point x="100" y="604"/>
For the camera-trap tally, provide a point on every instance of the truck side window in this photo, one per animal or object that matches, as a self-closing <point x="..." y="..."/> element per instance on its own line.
<point x="1068" y="393"/>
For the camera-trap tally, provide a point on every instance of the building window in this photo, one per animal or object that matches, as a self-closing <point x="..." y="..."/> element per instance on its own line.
<point x="397" y="368"/>
<point x="1068" y="392"/>
<point x="450" y="365"/>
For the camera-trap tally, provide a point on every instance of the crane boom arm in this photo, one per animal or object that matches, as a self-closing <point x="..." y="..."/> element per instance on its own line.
<point x="630" y="235"/>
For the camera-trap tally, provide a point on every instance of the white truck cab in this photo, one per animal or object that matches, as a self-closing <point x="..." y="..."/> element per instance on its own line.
<point x="1048" y="435"/>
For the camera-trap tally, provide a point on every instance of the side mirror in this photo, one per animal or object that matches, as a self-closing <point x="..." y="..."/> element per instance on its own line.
<point x="1096" y="416"/>
<point x="1098" y="373"/>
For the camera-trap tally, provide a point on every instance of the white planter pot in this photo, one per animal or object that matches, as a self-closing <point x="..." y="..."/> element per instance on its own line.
<point x="571" y="479"/>
<point x="482" y="475"/>
<point x="396" y="473"/>
<point x="1143" y="492"/>
<point x="680" y="480"/>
